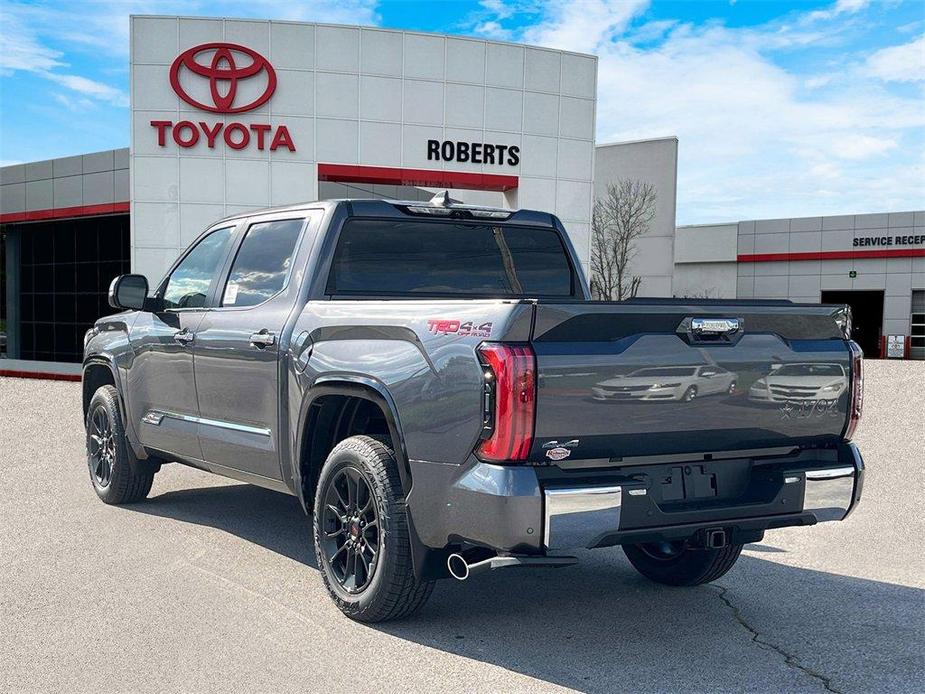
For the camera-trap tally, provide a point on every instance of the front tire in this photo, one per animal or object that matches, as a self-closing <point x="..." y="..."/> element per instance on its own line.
<point x="362" y="539"/>
<point x="690" y="394"/>
<point x="672" y="564"/>
<point x="117" y="476"/>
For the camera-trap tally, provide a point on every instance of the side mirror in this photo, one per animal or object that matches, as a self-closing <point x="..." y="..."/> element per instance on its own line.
<point x="129" y="291"/>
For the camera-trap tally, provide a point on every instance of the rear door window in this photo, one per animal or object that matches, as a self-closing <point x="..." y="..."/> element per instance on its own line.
<point x="417" y="257"/>
<point x="262" y="263"/>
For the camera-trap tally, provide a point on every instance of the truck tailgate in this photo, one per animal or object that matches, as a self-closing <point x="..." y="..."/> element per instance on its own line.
<point x="670" y="377"/>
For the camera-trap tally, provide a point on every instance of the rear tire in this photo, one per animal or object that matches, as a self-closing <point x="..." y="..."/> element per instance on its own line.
<point x="674" y="565"/>
<point x="118" y="477"/>
<point x="362" y="539"/>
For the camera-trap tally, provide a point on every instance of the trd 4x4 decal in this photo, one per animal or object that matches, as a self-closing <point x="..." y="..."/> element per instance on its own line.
<point x="442" y="326"/>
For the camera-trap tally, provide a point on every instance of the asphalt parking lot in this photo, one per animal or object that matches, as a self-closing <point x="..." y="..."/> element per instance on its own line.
<point x="211" y="585"/>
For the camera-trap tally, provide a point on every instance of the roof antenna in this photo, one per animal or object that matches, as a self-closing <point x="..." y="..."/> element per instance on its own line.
<point x="444" y="200"/>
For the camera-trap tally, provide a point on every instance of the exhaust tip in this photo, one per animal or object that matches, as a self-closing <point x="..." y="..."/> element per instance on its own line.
<point x="458" y="567"/>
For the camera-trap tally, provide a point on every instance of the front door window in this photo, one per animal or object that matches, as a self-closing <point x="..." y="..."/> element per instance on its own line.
<point x="188" y="286"/>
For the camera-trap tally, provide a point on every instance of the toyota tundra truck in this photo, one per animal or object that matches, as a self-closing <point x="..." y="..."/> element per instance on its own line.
<point x="435" y="385"/>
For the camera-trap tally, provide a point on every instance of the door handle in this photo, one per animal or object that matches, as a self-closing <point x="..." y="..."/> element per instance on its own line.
<point x="263" y="339"/>
<point x="184" y="336"/>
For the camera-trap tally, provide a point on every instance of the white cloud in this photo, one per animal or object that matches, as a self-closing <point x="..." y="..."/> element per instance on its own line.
<point x="23" y="50"/>
<point x="104" y="25"/>
<point x="863" y="147"/>
<point x="498" y="8"/>
<point x="817" y="81"/>
<point x="904" y="63"/>
<point x="756" y="138"/>
<point x="839" y="8"/>
<point x="20" y="49"/>
<point x="89" y="88"/>
<point x="493" y="30"/>
<point x="582" y="26"/>
<point x="77" y="105"/>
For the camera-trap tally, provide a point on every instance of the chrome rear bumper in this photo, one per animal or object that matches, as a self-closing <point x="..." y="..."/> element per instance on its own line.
<point x="575" y="517"/>
<point x="829" y="492"/>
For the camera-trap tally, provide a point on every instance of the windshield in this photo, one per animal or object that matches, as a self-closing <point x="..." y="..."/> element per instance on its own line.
<point x="810" y="370"/>
<point x="665" y="371"/>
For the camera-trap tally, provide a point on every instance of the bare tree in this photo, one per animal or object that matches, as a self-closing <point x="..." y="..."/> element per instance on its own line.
<point x="706" y="293"/>
<point x="617" y="221"/>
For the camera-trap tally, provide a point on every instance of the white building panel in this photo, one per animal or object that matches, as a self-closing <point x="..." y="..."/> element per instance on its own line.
<point x="337" y="48"/>
<point x="465" y="105"/>
<point x="465" y="60"/>
<point x="579" y="75"/>
<point x="541" y="113"/>
<point x="504" y="65"/>
<point x="539" y="155"/>
<point x="424" y="56"/>
<point x="542" y="70"/>
<point x="381" y="52"/>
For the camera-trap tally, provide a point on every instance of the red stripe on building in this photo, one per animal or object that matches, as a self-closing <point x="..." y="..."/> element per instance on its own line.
<point x="347" y="173"/>
<point x="65" y="212"/>
<point x="832" y="255"/>
<point x="46" y="375"/>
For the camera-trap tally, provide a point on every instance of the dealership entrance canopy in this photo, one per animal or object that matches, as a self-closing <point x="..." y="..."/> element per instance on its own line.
<point x="235" y="115"/>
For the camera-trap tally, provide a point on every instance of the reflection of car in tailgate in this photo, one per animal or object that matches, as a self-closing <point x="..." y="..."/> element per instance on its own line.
<point x="800" y="383"/>
<point x="666" y="383"/>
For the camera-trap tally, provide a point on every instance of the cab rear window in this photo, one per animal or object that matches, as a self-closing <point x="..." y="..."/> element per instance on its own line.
<point x="428" y="258"/>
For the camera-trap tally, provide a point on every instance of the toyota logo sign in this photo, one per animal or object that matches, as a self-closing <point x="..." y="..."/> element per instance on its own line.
<point x="221" y="67"/>
<point x="223" y="73"/>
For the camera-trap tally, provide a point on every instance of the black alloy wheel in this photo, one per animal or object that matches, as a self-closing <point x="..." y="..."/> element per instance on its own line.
<point x="101" y="447"/>
<point x="118" y="477"/>
<point x="362" y="538"/>
<point x="350" y="530"/>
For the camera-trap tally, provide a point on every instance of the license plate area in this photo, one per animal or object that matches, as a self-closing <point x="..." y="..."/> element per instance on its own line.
<point x="679" y="493"/>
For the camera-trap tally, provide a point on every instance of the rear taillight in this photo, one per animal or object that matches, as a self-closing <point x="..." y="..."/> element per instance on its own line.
<point x="856" y="403"/>
<point x="509" y="401"/>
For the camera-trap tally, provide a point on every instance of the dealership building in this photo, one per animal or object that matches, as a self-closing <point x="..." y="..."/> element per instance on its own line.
<point x="873" y="262"/>
<point x="235" y="115"/>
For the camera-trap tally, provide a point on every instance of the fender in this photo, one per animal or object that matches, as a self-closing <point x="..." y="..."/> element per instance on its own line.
<point x="426" y="562"/>
<point x="357" y="386"/>
<point x="106" y="361"/>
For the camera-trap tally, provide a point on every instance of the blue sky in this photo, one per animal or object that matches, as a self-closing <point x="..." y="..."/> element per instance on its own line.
<point x="781" y="108"/>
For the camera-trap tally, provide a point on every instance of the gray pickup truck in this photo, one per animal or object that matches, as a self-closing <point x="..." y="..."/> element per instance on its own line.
<point x="435" y="385"/>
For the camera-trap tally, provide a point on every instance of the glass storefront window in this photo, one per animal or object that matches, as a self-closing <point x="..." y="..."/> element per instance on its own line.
<point x="65" y="270"/>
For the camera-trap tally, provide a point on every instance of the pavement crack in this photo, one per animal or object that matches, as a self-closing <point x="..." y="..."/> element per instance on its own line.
<point x="790" y="660"/>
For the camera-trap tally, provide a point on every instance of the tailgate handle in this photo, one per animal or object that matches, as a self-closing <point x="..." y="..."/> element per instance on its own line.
<point x="714" y="326"/>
